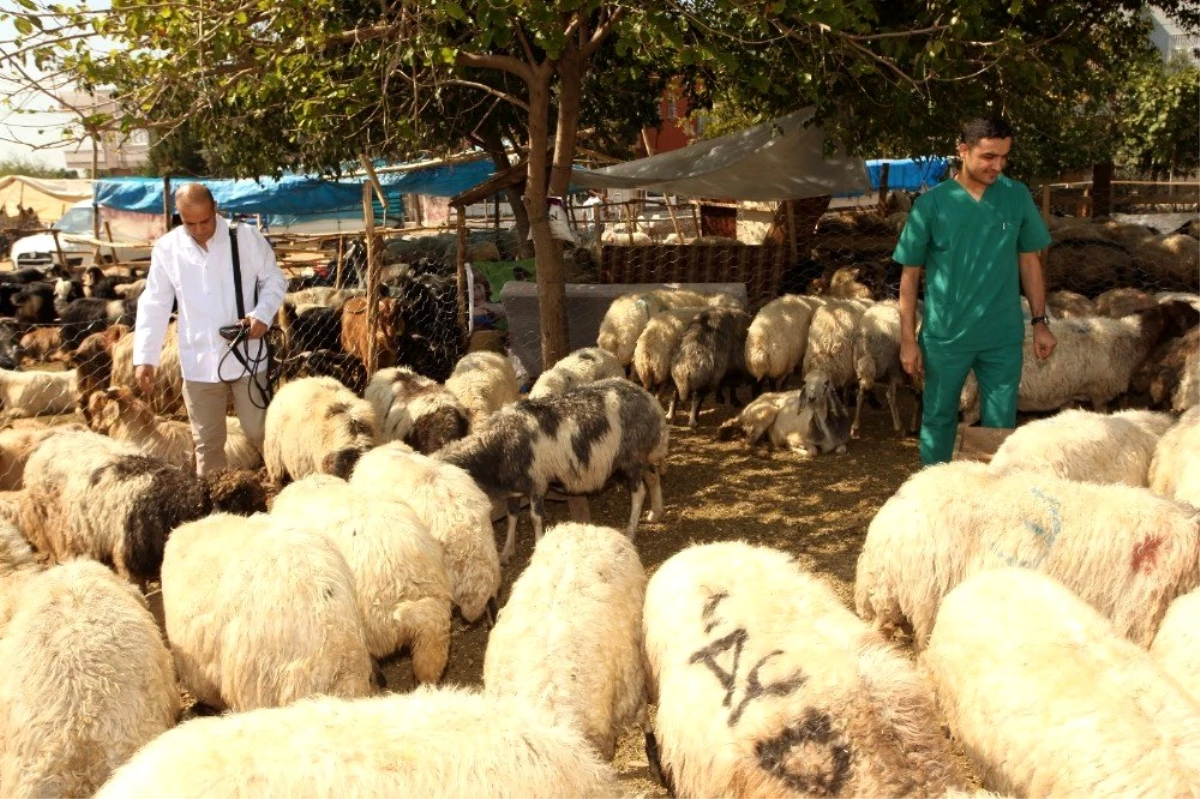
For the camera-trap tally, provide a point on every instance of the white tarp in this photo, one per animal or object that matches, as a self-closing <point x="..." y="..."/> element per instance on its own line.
<point x="777" y="160"/>
<point x="48" y="197"/>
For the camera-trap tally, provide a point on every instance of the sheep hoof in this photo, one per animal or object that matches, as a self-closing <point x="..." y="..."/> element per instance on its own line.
<point x="841" y="450"/>
<point x="653" y="518"/>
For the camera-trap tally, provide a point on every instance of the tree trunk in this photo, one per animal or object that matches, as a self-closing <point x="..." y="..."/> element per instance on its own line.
<point x="1102" y="175"/>
<point x="551" y="289"/>
<point x="495" y="147"/>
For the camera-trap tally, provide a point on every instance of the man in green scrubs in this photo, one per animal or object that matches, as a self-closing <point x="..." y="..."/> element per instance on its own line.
<point x="975" y="236"/>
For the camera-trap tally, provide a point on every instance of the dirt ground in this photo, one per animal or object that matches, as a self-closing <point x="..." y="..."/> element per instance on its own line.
<point x="714" y="490"/>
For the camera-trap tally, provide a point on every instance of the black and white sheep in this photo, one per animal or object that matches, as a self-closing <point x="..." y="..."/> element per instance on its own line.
<point x="316" y="425"/>
<point x="576" y="442"/>
<point x="416" y="410"/>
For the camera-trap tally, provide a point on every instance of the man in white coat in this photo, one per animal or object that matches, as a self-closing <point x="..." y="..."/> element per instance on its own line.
<point x="192" y="266"/>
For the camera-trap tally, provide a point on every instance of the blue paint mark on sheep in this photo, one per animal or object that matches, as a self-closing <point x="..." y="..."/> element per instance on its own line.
<point x="1048" y="536"/>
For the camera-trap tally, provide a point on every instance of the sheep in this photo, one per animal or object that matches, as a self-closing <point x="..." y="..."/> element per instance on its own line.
<point x="656" y="347"/>
<point x="130" y="291"/>
<point x="86" y="316"/>
<point x="88" y="495"/>
<point x="1119" y="302"/>
<point x="830" y="345"/>
<point x="41" y="344"/>
<point x="778" y="337"/>
<point x="167" y="394"/>
<point x="18" y="567"/>
<point x="24" y="394"/>
<point x="711" y="355"/>
<point x="389" y="324"/>
<point x="581" y="367"/>
<point x="35" y="304"/>
<point x="1124" y="550"/>
<point x="569" y="640"/>
<point x="399" y="571"/>
<point x="1176" y="646"/>
<point x="17" y="444"/>
<point x="414" y="409"/>
<point x="316" y="424"/>
<point x="117" y="413"/>
<point x="87" y="682"/>
<point x="483" y="382"/>
<point x="261" y="613"/>
<point x="756" y="419"/>
<point x="628" y="315"/>
<point x="1048" y="700"/>
<point x="843" y="283"/>
<point x="346" y="369"/>
<point x="577" y="442"/>
<point x="321" y="296"/>
<point x="767" y="686"/>
<point x="1069" y="305"/>
<point x="431" y="743"/>
<point x="65" y="291"/>
<point x="876" y="353"/>
<point x="1094" y="360"/>
<point x="1170" y="376"/>
<point x="93" y="367"/>
<point x="813" y="420"/>
<point x="1083" y="445"/>
<point x="455" y="510"/>
<point x="1175" y="468"/>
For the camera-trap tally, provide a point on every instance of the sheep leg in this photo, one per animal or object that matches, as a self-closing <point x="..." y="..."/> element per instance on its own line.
<point x="537" y="507"/>
<point x="893" y="387"/>
<point x="856" y="425"/>
<point x="637" y="496"/>
<point x="671" y="405"/>
<point x="510" y="540"/>
<point x="697" y="398"/>
<point x="654" y="483"/>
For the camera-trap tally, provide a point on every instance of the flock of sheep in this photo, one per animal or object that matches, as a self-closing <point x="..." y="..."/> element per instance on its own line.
<point x="1050" y="595"/>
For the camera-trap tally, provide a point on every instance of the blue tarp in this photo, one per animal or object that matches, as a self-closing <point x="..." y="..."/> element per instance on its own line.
<point x="909" y="174"/>
<point x="293" y="194"/>
<point x="445" y="180"/>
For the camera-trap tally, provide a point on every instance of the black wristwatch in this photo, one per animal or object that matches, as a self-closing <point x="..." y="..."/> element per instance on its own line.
<point x="1040" y="320"/>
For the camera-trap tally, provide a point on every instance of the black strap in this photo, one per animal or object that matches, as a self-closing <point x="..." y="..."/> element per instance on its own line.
<point x="249" y="365"/>
<point x="237" y="272"/>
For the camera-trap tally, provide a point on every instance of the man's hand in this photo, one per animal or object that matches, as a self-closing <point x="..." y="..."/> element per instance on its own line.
<point x="144" y="377"/>
<point x="910" y="359"/>
<point x="257" y="328"/>
<point x="1044" y="342"/>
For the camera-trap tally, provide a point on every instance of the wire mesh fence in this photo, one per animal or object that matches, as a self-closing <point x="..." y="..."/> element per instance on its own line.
<point x="66" y="334"/>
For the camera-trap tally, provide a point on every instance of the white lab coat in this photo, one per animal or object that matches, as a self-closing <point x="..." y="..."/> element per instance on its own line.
<point x="202" y="285"/>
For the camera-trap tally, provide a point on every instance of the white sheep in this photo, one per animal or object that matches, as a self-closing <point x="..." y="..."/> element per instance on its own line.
<point x="656" y="346"/>
<point x="569" y="640"/>
<point x="876" y="348"/>
<point x="429" y="743"/>
<point x="87" y="681"/>
<point x="1124" y="550"/>
<point x="778" y="338"/>
<point x="453" y="508"/>
<point x="260" y="614"/>
<point x="1176" y="647"/>
<point x="756" y="419"/>
<point x="25" y="394"/>
<point x="167" y="397"/>
<point x="17" y="444"/>
<point x="812" y="420"/>
<point x="767" y="686"/>
<point x="483" y="382"/>
<point x="88" y="495"/>
<point x="415" y="409"/>
<point x="1049" y="700"/>
<point x="830" y="346"/>
<point x="1084" y="445"/>
<point x="1175" y="468"/>
<point x="624" y="321"/>
<point x="580" y="441"/>
<point x="18" y="566"/>
<point x="117" y="413"/>
<point x="581" y="367"/>
<point x="316" y="425"/>
<point x="399" y="571"/>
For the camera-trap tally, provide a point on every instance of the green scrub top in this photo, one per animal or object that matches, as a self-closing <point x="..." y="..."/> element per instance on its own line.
<point x="968" y="249"/>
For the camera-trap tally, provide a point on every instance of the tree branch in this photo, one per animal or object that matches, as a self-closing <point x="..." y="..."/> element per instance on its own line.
<point x="518" y="102"/>
<point x="601" y="33"/>
<point x="505" y="63"/>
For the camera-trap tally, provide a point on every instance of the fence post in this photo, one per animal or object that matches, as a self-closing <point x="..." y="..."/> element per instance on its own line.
<point x="372" y="281"/>
<point x="1046" y="203"/>
<point x="461" y="272"/>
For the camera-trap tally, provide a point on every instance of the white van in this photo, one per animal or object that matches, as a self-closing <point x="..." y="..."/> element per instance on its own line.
<point x="38" y="250"/>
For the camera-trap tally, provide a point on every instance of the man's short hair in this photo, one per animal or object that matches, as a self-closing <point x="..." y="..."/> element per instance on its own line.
<point x="978" y="128"/>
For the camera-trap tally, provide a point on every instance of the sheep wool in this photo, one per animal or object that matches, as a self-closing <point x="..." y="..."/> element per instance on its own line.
<point x="415" y="409"/>
<point x="1084" y="445"/>
<point x="430" y="743"/>
<point x="569" y="640"/>
<point x="580" y="368"/>
<point x="624" y="321"/>
<point x="1176" y="647"/>
<point x="1049" y="700"/>
<point x="87" y="681"/>
<point x="656" y="346"/>
<point x="1122" y="549"/>
<point x="316" y="424"/>
<point x="830" y="346"/>
<point x="1175" y="468"/>
<point x="399" y="575"/>
<point x="484" y="382"/>
<point x="260" y="614"/>
<point x="25" y="394"/>
<point x="768" y="686"/>
<point x="453" y="508"/>
<point x="778" y="337"/>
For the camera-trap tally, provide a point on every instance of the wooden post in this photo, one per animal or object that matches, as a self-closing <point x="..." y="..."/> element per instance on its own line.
<point x="696" y="218"/>
<point x="1046" y="203"/>
<point x="166" y="204"/>
<point x="1102" y="175"/>
<point x="628" y="221"/>
<point x="62" y="259"/>
<point x="496" y="214"/>
<point x="372" y="280"/>
<point x="675" y="223"/>
<point x="884" y="168"/>
<point x="108" y="232"/>
<point x="338" y="275"/>
<point x="461" y="260"/>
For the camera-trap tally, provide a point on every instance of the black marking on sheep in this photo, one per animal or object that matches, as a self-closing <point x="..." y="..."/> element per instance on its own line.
<point x="546" y="414"/>
<point x="592" y="424"/>
<point x="171" y="498"/>
<point x="710" y="607"/>
<point x="359" y="427"/>
<point x="236" y="491"/>
<point x="776" y="756"/>
<point x="755" y="689"/>
<point x="341" y="463"/>
<point x="336" y="409"/>
<point x="437" y="429"/>
<point x="587" y="357"/>
<point x="708" y="655"/>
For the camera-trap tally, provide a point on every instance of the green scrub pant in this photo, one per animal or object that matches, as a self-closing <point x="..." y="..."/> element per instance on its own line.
<point x="998" y="372"/>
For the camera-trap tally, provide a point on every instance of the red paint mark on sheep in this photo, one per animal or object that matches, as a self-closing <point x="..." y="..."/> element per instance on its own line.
<point x="1145" y="554"/>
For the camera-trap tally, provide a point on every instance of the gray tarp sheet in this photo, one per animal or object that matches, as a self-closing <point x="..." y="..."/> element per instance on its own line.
<point x="777" y="160"/>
